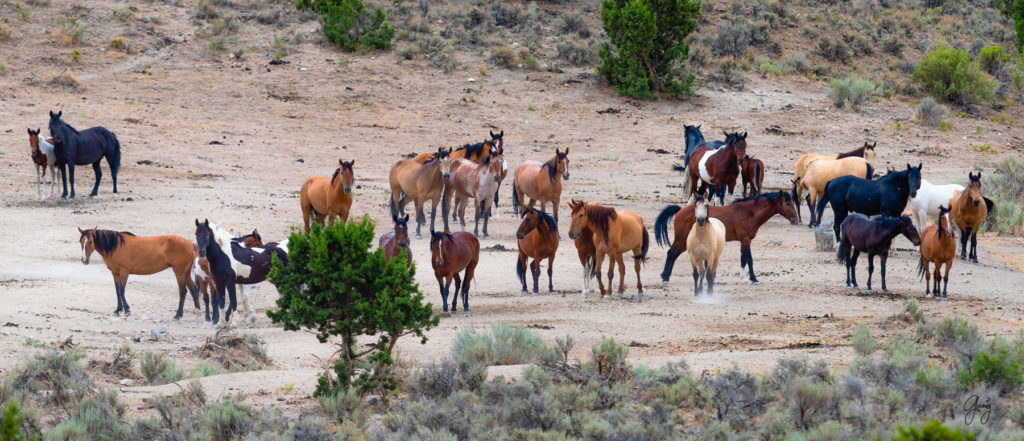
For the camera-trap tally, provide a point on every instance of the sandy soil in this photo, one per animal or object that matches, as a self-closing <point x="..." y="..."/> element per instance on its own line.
<point x="207" y="136"/>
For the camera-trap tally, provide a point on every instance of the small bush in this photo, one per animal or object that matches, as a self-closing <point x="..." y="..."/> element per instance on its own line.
<point x="730" y="73"/>
<point x="506" y="344"/>
<point x="125" y="15"/>
<point x="123" y="44"/>
<point x="157" y="368"/>
<point x="95" y="414"/>
<point x="509" y="16"/>
<point x="204" y="369"/>
<point x="863" y="342"/>
<point x="929" y="112"/>
<point x="216" y="45"/>
<point x="795" y="63"/>
<point x="893" y="46"/>
<point x="348" y="24"/>
<point x="950" y="76"/>
<point x="851" y="91"/>
<point x="228" y="418"/>
<point x="72" y="31"/>
<point x="206" y="10"/>
<point x="933" y="431"/>
<point x="577" y="53"/>
<point x="999" y="365"/>
<point x="834" y="51"/>
<point x="733" y="38"/>
<point x="343" y="406"/>
<point x="5" y="32"/>
<point x="991" y="58"/>
<point x="504" y="56"/>
<point x="573" y="23"/>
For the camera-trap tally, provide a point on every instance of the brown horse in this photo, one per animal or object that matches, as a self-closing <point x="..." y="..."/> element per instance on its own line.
<point x="866" y="151"/>
<point x="587" y="252"/>
<point x="421" y="182"/>
<point x="615" y="232"/>
<point x="717" y="168"/>
<point x="938" y="245"/>
<point x="204" y="275"/>
<point x="322" y="199"/>
<point x="478" y="182"/>
<point x="44" y="157"/>
<point x="859" y="234"/>
<point x="397" y="241"/>
<point x="819" y="173"/>
<point x="753" y="175"/>
<point x="540" y="182"/>
<point x="969" y="209"/>
<point x="538" y="240"/>
<point x="449" y="254"/>
<point x="126" y="254"/>
<point x="742" y="219"/>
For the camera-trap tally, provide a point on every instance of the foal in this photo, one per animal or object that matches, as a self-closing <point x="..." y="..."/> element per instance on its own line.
<point x="396" y="241"/>
<point x="705" y="244"/>
<point x="537" y="239"/>
<point x="938" y="245"/>
<point x="753" y="175"/>
<point x="44" y="158"/>
<point x="220" y="267"/>
<point x="861" y="234"/>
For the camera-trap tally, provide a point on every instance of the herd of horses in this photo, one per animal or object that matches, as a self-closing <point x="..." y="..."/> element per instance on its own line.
<point x="472" y="175"/>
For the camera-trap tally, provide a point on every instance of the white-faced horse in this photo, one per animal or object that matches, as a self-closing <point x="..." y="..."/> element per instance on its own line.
<point x="929" y="197"/>
<point x="45" y="159"/>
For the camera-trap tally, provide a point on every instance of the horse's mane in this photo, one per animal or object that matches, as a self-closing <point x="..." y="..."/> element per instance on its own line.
<point x="337" y="171"/>
<point x="436" y="156"/>
<point x="772" y="197"/>
<point x="68" y="126"/>
<point x="472" y="149"/>
<point x="486" y="161"/>
<point x="546" y="218"/>
<point x="856" y="153"/>
<point x="438" y="235"/>
<point x="601" y="217"/>
<point x="106" y="241"/>
<point x="889" y="222"/>
<point x="552" y="166"/>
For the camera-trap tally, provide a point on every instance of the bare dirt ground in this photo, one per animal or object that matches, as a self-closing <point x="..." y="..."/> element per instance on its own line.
<point x="207" y="136"/>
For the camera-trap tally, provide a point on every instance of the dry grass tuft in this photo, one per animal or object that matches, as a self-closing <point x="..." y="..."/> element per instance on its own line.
<point x="235" y="350"/>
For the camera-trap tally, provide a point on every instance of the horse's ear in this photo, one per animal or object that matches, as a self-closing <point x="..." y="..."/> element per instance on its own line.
<point x="492" y="133"/>
<point x="557" y="152"/>
<point x="197" y="222"/>
<point x="501" y="133"/>
<point x="406" y="218"/>
<point x="51" y="114"/>
<point x="394" y="218"/>
<point x="921" y="164"/>
<point x="80" y="230"/>
<point x="744" y="135"/>
<point x="873" y="145"/>
<point x="698" y="126"/>
<point x="567" y="150"/>
<point x="908" y="167"/>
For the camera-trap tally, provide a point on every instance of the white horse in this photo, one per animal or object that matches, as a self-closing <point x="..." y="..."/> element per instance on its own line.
<point x="929" y="197"/>
<point x="44" y="158"/>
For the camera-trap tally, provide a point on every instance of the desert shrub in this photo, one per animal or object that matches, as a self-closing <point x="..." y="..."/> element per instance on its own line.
<point x="760" y="32"/>
<point x="950" y="76"/>
<point x="445" y="61"/>
<point x="5" y="32"/>
<point x="577" y="53"/>
<point x="1006" y="188"/>
<point x="98" y="413"/>
<point x="157" y="368"/>
<point x="529" y="61"/>
<point x="344" y="405"/>
<point x="206" y="9"/>
<point x="893" y="46"/>
<point x="504" y="56"/>
<point x="13" y="424"/>
<point x="733" y="38"/>
<point x="217" y="44"/>
<point x="795" y="63"/>
<point x="730" y="73"/>
<point x="998" y="365"/>
<point x="204" y="369"/>
<point x="735" y="397"/>
<point x="766" y="67"/>
<point x="123" y="44"/>
<point x="863" y="342"/>
<point x="58" y="373"/>
<point x="228" y="418"/>
<point x="573" y="23"/>
<point x="348" y="24"/>
<point x="647" y="48"/>
<point x="1014" y="10"/>
<point x="991" y="58"/>
<point x="932" y="431"/>
<point x="700" y="56"/>
<point x="834" y="51"/>
<point x="507" y="343"/>
<point x="851" y="91"/>
<point x="930" y="112"/>
<point x="435" y="380"/>
<point x="510" y="16"/>
<point x="960" y="337"/>
<point x="72" y="31"/>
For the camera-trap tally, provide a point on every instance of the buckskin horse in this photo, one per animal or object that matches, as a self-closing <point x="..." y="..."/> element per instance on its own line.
<point x="322" y="199"/>
<point x="969" y="209"/>
<point x="822" y="171"/>
<point x="705" y="244"/>
<point x="615" y="233"/>
<point x="84" y="147"/>
<point x="874" y="237"/>
<point x="866" y="151"/>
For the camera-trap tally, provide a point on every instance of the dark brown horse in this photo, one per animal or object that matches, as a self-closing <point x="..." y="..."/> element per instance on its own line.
<point x="742" y="219"/>
<point x="969" y="209"/>
<point x="863" y="235"/>
<point x="449" y="254"/>
<point x="717" y="168"/>
<point x="395" y="242"/>
<point x="538" y="240"/>
<point x="753" y="175"/>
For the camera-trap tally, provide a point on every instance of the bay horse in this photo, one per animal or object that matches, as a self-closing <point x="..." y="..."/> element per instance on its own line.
<point x="449" y="254"/>
<point x="717" y="168"/>
<point x="125" y="253"/>
<point x="84" y="147"/>
<point x="694" y="138"/>
<point x="819" y="173"/>
<point x="705" y="244"/>
<point x="397" y="241"/>
<point x="928" y="200"/>
<point x="420" y="183"/>
<point x="220" y="270"/>
<point x="204" y="276"/>
<point x="44" y="158"/>
<point x="742" y="219"/>
<point x="938" y="245"/>
<point x="752" y="175"/>
<point x="540" y="183"/>
<point x="478" y="182"/>
<point x="887" y="196"/>
<point x="587" y="252"/>
<point x="874" y="237"/>
<point x="615" y="232"/>
<point x="866" y="151"/>
<point x="322" y="199"/>
<point x="537" y="238"/>
<point x="969" y="209"/>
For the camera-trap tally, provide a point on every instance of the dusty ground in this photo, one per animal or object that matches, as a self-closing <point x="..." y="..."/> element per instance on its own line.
<point x="171" y="100"/>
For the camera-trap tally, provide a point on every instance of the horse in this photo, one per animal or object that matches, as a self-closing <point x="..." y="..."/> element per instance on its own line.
<point x="540" y="183"/>
<point x="221" y="270"/>
<point x="867" y="152"/>
<point x="752" y="175"/>
<point x="819" y="173"/>
<point x="886" y="196"/>
<point x="44" y="158"/>
<point x="204" y="276"/>
<point x="587" y="253"/>
<point x="874" y="237"/>
<point x="479" y="182"/>
<point x="251" y="265"/>
<point x="969" y="209"/>
<point x="125" y="253"/>
<point x="615" y="232"/>
<point x="938" y="245"/>
<point x="717" y="168"/>
<point x="537" y="238"/>
<point x="694" y="138"/>
<point x="449" y="254"/>
<point x="742" y="219"/>
<point x="421" y="182"/>
<point x="396" y="241"/>
<point x="704" y="244"/>
<point x="473" y="152"/>
<point x="84" y="147"/>
<point x="322" y="199"/>
<point x="928" y="200"/>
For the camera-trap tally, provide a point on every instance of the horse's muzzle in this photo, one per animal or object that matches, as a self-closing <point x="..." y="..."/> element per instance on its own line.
<point x="438" y="264"/>
<point x="976" y="203"/>
<point x="404" y="245"/>
<point x="446" y="176"/>
<point x="520" y="235"/>
<point x="913" y="194"/>
<point x="497" y="178"/>
<point x="348" y="190"/>
<point x="574" y="234"/>
<point x="565" y="176"/>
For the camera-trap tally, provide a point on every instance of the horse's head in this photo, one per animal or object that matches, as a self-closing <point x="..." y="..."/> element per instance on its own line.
<point x="401" y="230"/>
<point x="908" y="230"/>
<point x="869" y="152"/>
<point x="914" y="179"/>
<point x="945" y="223"/>
<point x="974" y="189"/>
<point x="204" y="236"/>
<point x="252" y="240"/>
<point x="739" y="143"/>
<point x="562" y="163"/>
<point x="700" y="210"/>
<point x="33" y="139"/>
<point x="55" y="128"/>
<point x="693" y="136"/>
<point x="86" y="240"/>
<point x="787" y="207"/>
<point x="444" y="160"/>
<point x="578" y="217"/>
<point x="494" y="165"/>
<point x="437" y="247"/>
<point x="497" y="143"/>
<point x="348" y="177"/>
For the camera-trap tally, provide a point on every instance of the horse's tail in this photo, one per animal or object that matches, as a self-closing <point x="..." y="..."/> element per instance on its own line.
<point x="841" y="252"/>
<point x="521" y="270"/>
<point x="920" y="269"/>
<point x="643" y="249"/>
<point x="871" y="171"/>
<point x="822" y="202"/>
<point x="115" y="165"/>
<point x="661" y="224"/>
<point x="590" y="268"/>
<point x="515" y="195"/>
<point x="687" y="182"/>
<point x="757" y="177"/>
<point x="391" y="205"/>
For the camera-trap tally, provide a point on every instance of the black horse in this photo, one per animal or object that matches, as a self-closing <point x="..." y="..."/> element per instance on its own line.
<point x="863" y="235"/>
<point x="84" y="147"/>
<point x="886" y="196"/>
<point x="220" y="267"/>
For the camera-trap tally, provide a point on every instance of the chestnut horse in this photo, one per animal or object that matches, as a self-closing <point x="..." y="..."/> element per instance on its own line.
<point x="322" y="199"/>
<point x="397" y="241"/>
<point x="717" y="168"/>
<point x="449" y="254"/>
<point x="742" y="219"/>
<point x="753" y="175"/>
<point x="586" y="251"/>
<point x="478" y="182"/>
<point x="537" y="238"/>
<point x="819" y="173"/>
<point x="421" y="182"/>
<point x="705" y="244"/>
<point x="969" y="209"/>
<point x="938" y="245"/>
<point x="866" y="151"/>
<point x="126" y="254"/>
<point x="540" y="183"/>
<point x="874" y="237"/>
<point x="44" y="158"/>
<point x="615" y="232"/>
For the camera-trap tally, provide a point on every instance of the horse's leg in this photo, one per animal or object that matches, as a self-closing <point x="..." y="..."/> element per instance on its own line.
<point x="670" y="261"/>
<point x="535" y="271"/>
<point x="246" y="303"/>
<point x="181" y="299"/>
<point x="71" y="178"/>
<point x="598" y="259"/>
<point x="882" y="258"/>
<point x="113" y="170"/>
<point x="622" y="274"/>
<point x="459" y="214"/>
<point x="458" y="287"/>
<point x="96" y="186"/>
<point x="433" y="215"/>
<point x="551" y="267"/>
<point x="420" y="217"/>
<point x="470" y="271"/>
<point x="204" y="287"/>
<point x="521" y="266"/>
<point x="442" y="283"/>
<point x="218" y="294"/>
<point x="928" y="277"/>
<point x="478" y="206"/>
<point x="636" y="266"/>
<point x="483" y="214"/>
<point x="710" y="275"/>
<point x="749" y="259"/>
<point x="945" y="278"/>
<point x="851" y="267"/>
<point x="39" y="183"/>
<point x="231" y="298"/>
<point x="974" y="245"/>
<point x="124" y="300"/>
<point x="964" y="236"/>
<point x="118" y="293"/>
<point x="697" y="277"/>
<point x="871" y="269"/>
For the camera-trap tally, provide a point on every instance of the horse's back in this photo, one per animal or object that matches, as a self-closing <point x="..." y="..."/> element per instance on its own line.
<point x="632" y="228"/>
<point x="822" y="171"/>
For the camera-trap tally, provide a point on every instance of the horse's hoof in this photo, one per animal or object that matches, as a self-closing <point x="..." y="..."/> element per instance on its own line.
<point x="177" y="317"/>
<point x="618" y="296"/>
<point x="526" y="291"/>
<point x="606" y="297"/>
<point x="664" y="283"/>
<point x="127" y="313"/>
<point x="419" y="237"/>
<point x="535" y="294"/>
<point x="467" y="314"/>
<point x="974" y="261"/>
<point x="252" y="319"/>
<point x="869" y="292"/>
<point x="755" y="283"/>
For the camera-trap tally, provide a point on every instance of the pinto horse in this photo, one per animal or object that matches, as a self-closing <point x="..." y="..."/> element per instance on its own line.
<point x="84" y="147"/>
<point x="125" y="253"/>
<point x="251" y="265"/>
<point x="220" y="269"/>
<point x="537" y="238"/>
<point x="874" y="237"/>
<point x="887" y="196"/>
<point x="204" y="276"/>
<point x="44" y="158"/>
<point x="421" y="182"/>
<point x="752" y="175"/>
<point x="694" y="139"/>
<point x="819" y="173"/>
<point x="938" y="245"/>
<point x="478" y="182"/>
<point x="866" y="151"/>
<point x="970" y="209"/>
<point x="540" y="183"/>
<point x="587" y="253"/>
<point x="615" y="232"/>
<point x="397" y="241"/>
<point x="717" y="168"/>
<point x="449" y="254"/>
<point x="322" y="199"/>
<point x="742" y="219"/>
